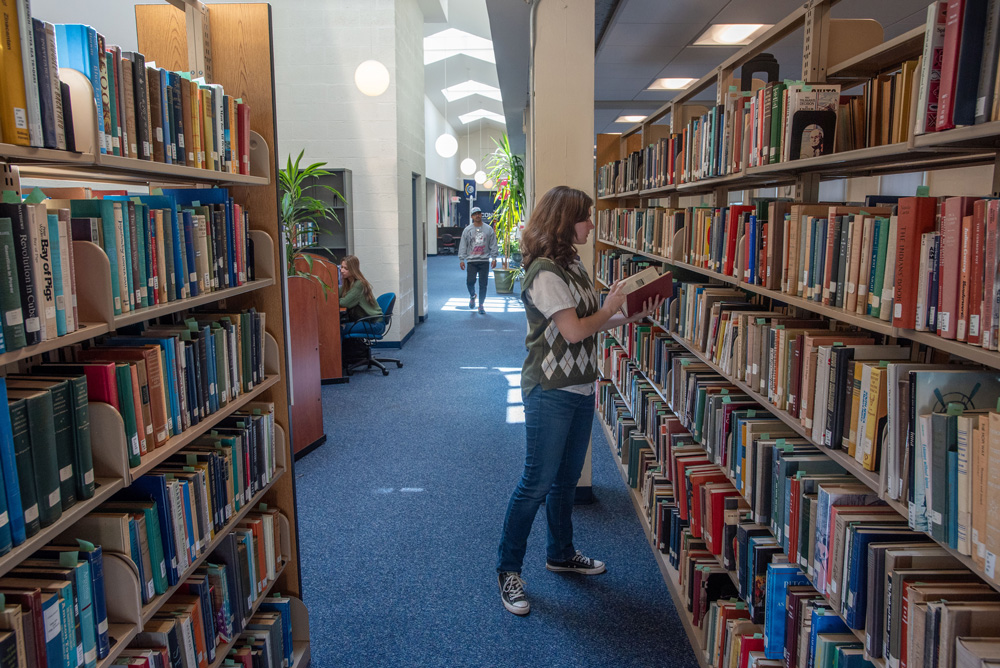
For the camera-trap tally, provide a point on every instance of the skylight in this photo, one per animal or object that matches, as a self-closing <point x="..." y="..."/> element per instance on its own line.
<point x="470" y="87"/>
<point x="452" y="42"/>
<point x="482" y="113"/>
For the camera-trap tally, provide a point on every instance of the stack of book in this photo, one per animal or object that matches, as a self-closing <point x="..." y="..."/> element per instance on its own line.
<point x="620" y="176"/>
<point x="782" y="558"/>
<point x="644" y="230"/>
<point x="143" y="111"/>
<point x="55" y="610"/>
<point x="661" y="159"/>
<point x="267" y="640"/>
<point x="213" y="607"/>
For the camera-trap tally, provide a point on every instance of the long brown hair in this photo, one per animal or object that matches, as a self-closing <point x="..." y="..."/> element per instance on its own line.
<point x="354" y="274"/>
<point x="551" y="230"/>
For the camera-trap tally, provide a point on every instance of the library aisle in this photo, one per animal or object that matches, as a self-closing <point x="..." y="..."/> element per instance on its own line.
<point x="400" y="513"/>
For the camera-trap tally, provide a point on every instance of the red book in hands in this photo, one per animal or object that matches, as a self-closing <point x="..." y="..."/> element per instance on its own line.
<point x="645" y="286"/>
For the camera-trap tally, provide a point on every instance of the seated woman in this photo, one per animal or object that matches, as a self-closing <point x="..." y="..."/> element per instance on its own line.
<point x="356" y="294"/>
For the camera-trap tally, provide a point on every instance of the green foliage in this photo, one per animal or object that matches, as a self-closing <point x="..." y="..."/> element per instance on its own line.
<point x="507" y="172"/>
<point x="301" y="214"/>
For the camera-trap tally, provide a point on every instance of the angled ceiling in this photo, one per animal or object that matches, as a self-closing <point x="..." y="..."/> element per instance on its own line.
<point x="638" y="41"/>
<point x="468" y="17"/>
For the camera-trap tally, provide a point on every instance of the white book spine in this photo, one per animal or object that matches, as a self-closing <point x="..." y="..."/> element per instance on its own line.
<point x="53" y="67"/>
<point x="30" y="73"/>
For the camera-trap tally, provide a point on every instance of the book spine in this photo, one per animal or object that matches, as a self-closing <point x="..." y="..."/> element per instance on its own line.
<point x="46" y="101"/>
<point x="56" y="262"/>
<point x="976" y="280"/>
<point x="949" y="65"/>
<point x="10" y="294"/>
<point x="13" y="98"/>
<point x="111" y="101"/>
<point x="969" y="64"/>
<point x="29" y="66"/>
<point x="990" y="63"/>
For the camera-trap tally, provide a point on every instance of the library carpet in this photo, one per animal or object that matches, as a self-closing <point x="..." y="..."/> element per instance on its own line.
<point x="400" y="513"/>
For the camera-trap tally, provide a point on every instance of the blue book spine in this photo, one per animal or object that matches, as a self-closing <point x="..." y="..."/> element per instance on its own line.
<point x="752" y="259"/>
<point x="8" y="463"/>
<point x="57" y="280"/>
<point x="952" y="500"/>
<point x="823" y="623"/>
<point x="188" y="514"/>
<point x="133" y="535"/>
<point x="779" y="578"/>
<point x="95" y="559"/>
<point x="68" y="635"/>
<point x="161" y="85"/>
<point x="76" y="48"/>
<point x="155" y="487"/>
<point x="284" y="608"/>
<point x="52" y="614"/>
<point x="231" y="242"/>
<point x="85" y="603"/>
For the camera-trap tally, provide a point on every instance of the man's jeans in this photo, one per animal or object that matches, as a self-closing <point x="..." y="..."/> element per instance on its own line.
<point x="482" y="267"/>
<point x="558" y="425"/>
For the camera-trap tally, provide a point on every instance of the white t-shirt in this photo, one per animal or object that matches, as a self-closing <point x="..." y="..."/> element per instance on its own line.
<point x="550" y="294"/>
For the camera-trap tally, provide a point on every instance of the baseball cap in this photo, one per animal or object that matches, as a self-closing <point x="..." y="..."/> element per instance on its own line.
<point x="475" y="210"/>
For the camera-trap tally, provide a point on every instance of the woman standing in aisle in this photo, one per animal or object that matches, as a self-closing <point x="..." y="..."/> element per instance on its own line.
<point x="356" y="293"/>
<point x="557" y="385"/>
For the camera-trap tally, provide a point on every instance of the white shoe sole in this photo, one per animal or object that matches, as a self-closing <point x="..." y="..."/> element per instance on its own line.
<point x="582" y="571"/>
<point x="517" y="610"/>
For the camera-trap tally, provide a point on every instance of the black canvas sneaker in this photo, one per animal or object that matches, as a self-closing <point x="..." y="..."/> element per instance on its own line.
<point x="512" y="593"/>
<point x="472" y="302"/>
<point x="482" y="310"/>
<point x="576" y="564"/>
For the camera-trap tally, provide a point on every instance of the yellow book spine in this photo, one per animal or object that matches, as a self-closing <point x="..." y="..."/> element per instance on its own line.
<point x="875" y="392"/>
<point x="13" y="100"/>
<point x="208" y="136"/>
<point x="234" y="162"/>
<point x="199" y="150"/>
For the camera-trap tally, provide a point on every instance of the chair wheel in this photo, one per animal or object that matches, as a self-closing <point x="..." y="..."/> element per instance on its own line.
<point x="384" y="372"/>
<point x="399" y="365"/>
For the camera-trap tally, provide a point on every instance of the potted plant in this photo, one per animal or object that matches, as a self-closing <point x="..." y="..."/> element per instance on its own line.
<point x="507" y="172"/>
<point x="302" y="214"/>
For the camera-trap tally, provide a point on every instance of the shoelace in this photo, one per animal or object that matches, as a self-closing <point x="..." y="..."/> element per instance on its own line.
<point x="582" y="560"/>
<point x="513" y="586"/>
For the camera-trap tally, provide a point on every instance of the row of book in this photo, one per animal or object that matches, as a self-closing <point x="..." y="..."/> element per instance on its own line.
<point x="143" y="111"/>
<point x="774" y="545"/>
<point x="170" y="640"/>
<point x="921" y="263"/>
<point x="953" y="83"/>
<point x="161" y="248"/>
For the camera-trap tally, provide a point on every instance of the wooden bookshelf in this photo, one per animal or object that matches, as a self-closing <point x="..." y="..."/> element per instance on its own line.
<point x="242" y="62"/>
<point x="960" y="147"/>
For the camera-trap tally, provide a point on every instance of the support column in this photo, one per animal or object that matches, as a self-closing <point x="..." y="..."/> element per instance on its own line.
<point x="559" y="121"/>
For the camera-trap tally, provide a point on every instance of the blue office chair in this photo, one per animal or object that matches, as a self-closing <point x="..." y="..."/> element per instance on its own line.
<point x="370" y="330"/>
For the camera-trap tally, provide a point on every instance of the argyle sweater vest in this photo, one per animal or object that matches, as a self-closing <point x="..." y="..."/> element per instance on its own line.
<point x="552" y="361"/>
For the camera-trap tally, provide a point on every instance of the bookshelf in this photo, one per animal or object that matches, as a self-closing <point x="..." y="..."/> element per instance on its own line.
<point x="241" y="61"/>
<point x="977" y="145"/>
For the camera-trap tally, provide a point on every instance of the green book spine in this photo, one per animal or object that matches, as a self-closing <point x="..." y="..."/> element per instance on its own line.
<point x="876" y="243"/>
<point x="126" y="403"/>
<point x="82" y="451"/>
<point x="26" y="480"/>
<point x="10" y="293"/>
<point x="875" y="295"/>
<point x="88" y="625"/>
<point x="247" y="381"/>
<point x="777" y="106"/>
<point x="62" y="421"/>
<point x="24" y="415"/>
<point x="155" y="550"/>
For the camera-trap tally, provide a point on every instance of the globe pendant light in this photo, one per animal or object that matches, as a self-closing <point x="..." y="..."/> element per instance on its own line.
<point x="372" y="78"/>
<point x="480" y="177"/>
<point x="468" y="166"/>
<point x="446" y="145"/>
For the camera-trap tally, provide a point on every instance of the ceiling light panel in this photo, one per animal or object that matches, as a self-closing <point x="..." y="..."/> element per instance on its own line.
<point x="470" y="87"/>
<point x="452" y="42"/>
<point x="674" y="83"/>
<point x="731" y="34"/>
<point x="482" y="113"/>
<point x="630" y="119"/>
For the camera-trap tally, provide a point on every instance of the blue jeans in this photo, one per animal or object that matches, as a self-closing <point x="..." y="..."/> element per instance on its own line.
<point x="558" y="425"/>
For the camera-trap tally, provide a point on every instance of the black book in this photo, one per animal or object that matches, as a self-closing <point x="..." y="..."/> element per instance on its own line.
<point x="45" y="99"/>
<point x="141" y="104"/>
<point x="991" y="60"/>
<point x="8" y="649"/>
<point x="970" y="60"/>
<point x="18" y="214"/>
<point x="840" y="392"/>
<point x="223" y="246"/>
<point x="180" y="140"/>
<point x="67" y="111"/>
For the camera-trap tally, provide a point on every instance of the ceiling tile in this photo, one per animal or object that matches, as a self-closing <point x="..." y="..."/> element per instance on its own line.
<point x="658" y="11"/>
<point x="678" y="34"/>
<point x="755" y="11"/>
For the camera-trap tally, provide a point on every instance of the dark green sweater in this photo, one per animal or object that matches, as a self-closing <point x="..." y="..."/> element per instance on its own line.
<point x="354" y="301"/>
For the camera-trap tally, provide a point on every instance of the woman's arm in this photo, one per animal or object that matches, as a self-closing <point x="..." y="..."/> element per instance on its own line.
<point x="575" y="329"/>
<point x="352" y="297"/>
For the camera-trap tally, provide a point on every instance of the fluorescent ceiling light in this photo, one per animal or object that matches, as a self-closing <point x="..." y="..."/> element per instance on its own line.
<point x="675" y="83"/>
<point x="482" y="113"/>
<point x="470" y="87"/>
<point x="630" y="119"/>
<point x="452" y="42"/>
<point x="730" y="34"/>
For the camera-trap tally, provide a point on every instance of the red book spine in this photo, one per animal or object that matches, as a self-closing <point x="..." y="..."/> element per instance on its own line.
<point x="965" y="273"/>
<point x="917" y="216"/>
<point x="732" y="232"/>
<point x="101" y="384"/>
<point x="955" y="208"/>
<point x="793" y="520"/>
<point x="989" y="275"/>
<point x="949" y="65"/>
<point x="243" y="138"/>
<point x="976" y="272"/>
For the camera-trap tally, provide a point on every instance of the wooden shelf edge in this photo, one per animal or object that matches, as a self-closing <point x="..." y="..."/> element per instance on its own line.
<point x="976" y="354"/>
<point x="123" y="635"/>
<point x="301" y="654"/>
<point x="141" y="315"/>
<point x="157" y="602"/>
<point x="87" y="331"/>
<point x="182" y="440"/>
<point x="891" y="52"/>
<point x="105" y="488"/>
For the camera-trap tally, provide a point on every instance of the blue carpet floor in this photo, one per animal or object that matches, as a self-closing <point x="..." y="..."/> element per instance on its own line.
<point x="400" y="513"/>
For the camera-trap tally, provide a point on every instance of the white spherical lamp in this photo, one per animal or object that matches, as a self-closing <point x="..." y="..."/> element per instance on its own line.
<point x="489" y="184"/>
<point x="446" y="146"/>
<point x="480" y="177"/>
<point x="468" y="166"/>
<point x="371" y="78"/>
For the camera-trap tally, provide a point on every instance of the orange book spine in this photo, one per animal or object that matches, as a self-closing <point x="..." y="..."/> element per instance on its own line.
<point x="964" y="273"/>
<point x="13" y="100"/>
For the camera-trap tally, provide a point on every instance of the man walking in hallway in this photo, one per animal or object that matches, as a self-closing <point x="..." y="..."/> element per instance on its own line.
<point x="477" y="254"/>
